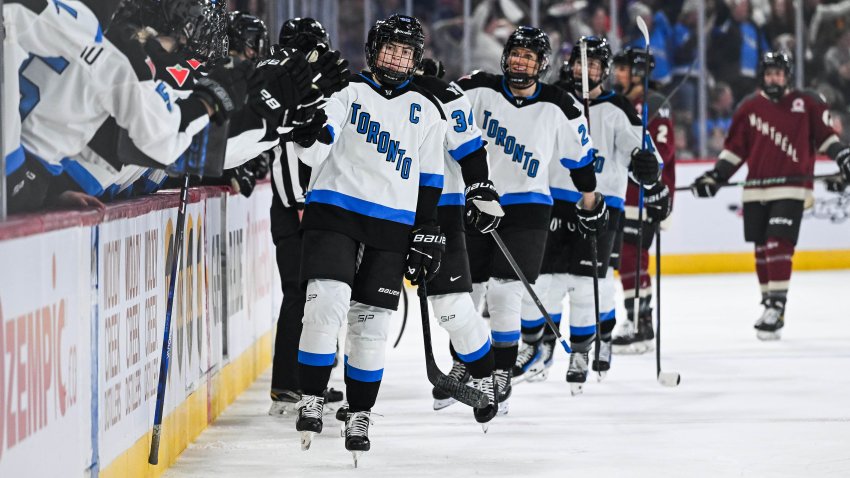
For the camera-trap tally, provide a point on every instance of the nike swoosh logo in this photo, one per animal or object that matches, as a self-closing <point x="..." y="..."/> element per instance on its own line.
<point x="452" y="279"/>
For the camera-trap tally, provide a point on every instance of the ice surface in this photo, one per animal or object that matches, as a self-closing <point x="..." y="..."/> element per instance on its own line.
<point x="744" y="407"/>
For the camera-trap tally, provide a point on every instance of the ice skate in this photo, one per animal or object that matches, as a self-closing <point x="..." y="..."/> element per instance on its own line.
<point x="333" y="400"/>
<point x="769" y="325"/>
<point x="459" y="373"/>
<point x="634" y="342"/>
<point x="528" y="362"/>
<point x="547" y="358"/>
<point x="604" y="363"/>
<point x="487" y="386"/>
<point x="342" y="416"/>
<point x="284" y="403"/>
<point x="309" y="423"/>
<point x="357" y="434"/>
<point x="503" y="385"/>
<point x="577" y="372"/>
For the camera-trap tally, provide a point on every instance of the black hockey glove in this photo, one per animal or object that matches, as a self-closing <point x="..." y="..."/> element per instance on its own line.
<point x="259" y="166"/>
<point x="592" y="222"/>
<point x="843" y="160"/>
<point x="423" y="258"/>
<point x="658" y="202"/>
<point x="304" y="112"/>
<point x="242" y="179"/>
<point x="475" y="217"/>
<point x="308" y="134"/>
<point x="644" y="166"/>
<point x="287" y="81"/>
<point x="330" y="72"/>
<point x="835" y="184"/>
<point x="224" y="90"/>
<point x="707" y="185"/>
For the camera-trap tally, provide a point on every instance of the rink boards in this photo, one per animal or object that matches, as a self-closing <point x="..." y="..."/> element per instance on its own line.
<point x="82" y="311"/>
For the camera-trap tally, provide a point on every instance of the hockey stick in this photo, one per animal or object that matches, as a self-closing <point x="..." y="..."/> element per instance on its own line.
<point x="518" y="272"/>
<point x="770" y="181"/>
<point x="668" y="379"/>
<point x="643" y="112"/>
<point x="165" y="358"/>
<point x="460" y="392"/>
<point x="403" y="317"/>
<point x="585" y="95"/>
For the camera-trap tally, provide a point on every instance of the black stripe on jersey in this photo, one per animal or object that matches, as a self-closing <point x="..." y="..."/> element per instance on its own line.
<point x="621" y="102"/>
<point x="442" y="90"/>
<point x="377" y="233"/>
<point x="544" y="94"/>
<point x="36" y="6"/>
<point x="123" y="37"/>
<point x="389" y="93"/>
<point x="287" y="177"/>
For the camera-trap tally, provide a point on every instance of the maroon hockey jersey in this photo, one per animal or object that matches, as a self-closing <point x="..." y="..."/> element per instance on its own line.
<point x="778" y="139"/>
<point x="660" y="129"/>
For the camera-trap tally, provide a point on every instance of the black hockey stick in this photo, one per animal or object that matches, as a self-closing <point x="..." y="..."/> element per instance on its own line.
<point x="165" y="358"/>
<point x="518" y="272"/>
<point x="403" y="317"/>
<point x="585" y="93"/>
<point x="644" y="142"/>
<point x="757" y="183"/>
<point x="460" y="392"/>
<point x="668" y="379"/>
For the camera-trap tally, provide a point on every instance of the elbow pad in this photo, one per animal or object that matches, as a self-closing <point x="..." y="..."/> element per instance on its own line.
<point x="584" y="178"/>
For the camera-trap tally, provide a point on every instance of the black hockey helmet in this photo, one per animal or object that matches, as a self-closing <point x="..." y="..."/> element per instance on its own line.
<point x="395" y="29"/>
<point x="535" y="40"/>
<point x="303" y="34"/>
<point x="635" y="59"/>
<point x="776" y="59"/>
<point x="247" y="31"/>
<point x="597" y="48"/>
<point x="431" y="67"/>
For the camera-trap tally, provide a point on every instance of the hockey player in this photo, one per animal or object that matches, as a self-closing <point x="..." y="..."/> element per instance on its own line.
<point x="777" y="132"/>
<point x="616" y="130"/>
<point x="289" y="186"/>
<point x="370" y="218"/>
<point x="629" y="71"/>
<point x="531" y="129"/>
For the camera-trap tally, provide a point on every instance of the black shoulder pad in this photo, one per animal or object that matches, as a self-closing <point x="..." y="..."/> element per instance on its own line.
<point x="124" y="40"/>
<point x="443" y="91"/>
<point x="480" y="79"/>
<point x="813" y="95"/>
<point x="36" y="6"/>
<point x="658" y="104"/>
<point x="414" y="86"/>
<point x="627" y="107"/>
<point x="563" y="99"/>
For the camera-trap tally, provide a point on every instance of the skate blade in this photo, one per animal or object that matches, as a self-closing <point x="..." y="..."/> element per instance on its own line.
<point x="356" y="455"/>
<point x="306" y="440"/>
<point x="442" y="403"/>
<point x="283" y="410"/>
<point x="342" y="430"/>
<point x="600" y="376"/>
<point x="485" y="427"/>
<point x="540" y="377"/>
<point x="576" y="388"/>
<point x="767" y="336"/>
<point x="330" y="409"/>
<point x="503" y="409"/>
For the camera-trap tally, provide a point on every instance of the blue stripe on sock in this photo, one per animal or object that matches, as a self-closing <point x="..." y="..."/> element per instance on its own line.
<point x="506" y="337"/>
<point x="362" y="375"/>
<point x="316" y="360"/>
<point x="588" y="330"/>
<point x="527" y="324"/>
<point x="556" y="318"/>
<point x="472" y="357"/>
<point x="607" y="316"/>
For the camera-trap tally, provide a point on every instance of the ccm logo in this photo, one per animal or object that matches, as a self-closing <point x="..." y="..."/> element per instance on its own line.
<point x="780" y="221"/>
<point x="429" y="238"/>
<point x="384" y="290"/>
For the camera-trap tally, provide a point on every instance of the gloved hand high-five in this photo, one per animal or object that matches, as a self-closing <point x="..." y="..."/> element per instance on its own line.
<point x="330" y="72"/>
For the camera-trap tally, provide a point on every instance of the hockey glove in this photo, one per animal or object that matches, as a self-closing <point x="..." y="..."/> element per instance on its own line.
<point x="707" y="185"/>
<point x="224" y="90"/>
<point x="475" y="217"/>
<point x="287" y="81"/>
<point x="242" y="180"/>
<point x="308" y="134"/>
<point x="304" y="112"/>
<point x="260" y="165"/>
<point x="330" y="72"/>
<point x="658" y="202"/>
<point x="644" y="166"/>
<point x="423" y="258"/>
<point x="592" y="222"/>
<point x="843" y="160"/>
<point x="835" y="184"/>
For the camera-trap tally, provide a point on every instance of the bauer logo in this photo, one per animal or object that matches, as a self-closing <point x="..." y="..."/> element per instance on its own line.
<point x="384" y="290"/>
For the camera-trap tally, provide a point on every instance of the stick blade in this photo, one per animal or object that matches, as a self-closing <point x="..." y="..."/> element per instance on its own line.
<point x="460" y="392"/>
<point x="643" y="29"/>
<point x="669" y="379"/>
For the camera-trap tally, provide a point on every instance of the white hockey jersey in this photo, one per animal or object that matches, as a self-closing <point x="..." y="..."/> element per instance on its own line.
<point x="527" y="136"/>
<point x="616" y="131"/>
<point x="387" y="144"/>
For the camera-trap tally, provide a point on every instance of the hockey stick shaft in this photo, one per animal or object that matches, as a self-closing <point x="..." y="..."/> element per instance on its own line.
<point x="775" y="181"/>
<point x="594" y="254"/>
<point x="460" y="392"/>
<point x="644" y="110"/>
<point x="518" y="272"/>
<point x="658" y="301"/>
<point x="165" y="357"/>
<point x="403" y="317"/>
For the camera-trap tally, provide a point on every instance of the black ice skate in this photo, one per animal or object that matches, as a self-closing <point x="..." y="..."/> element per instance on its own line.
<point x="357" y="434"/>
<point x="310" y="410"/>
<point x="459" y="373"/>
<point x="604" y="363"/>
<point x="769" y="325"/>
<point x="487" y="385"/>
<point x="577" y="372"/>
<point x="284" y="403"/>
<point x="635" y="342"/>
<point x="547" y="358"/>
<point x="503" y="385"/>
<point x="528" y="362"/>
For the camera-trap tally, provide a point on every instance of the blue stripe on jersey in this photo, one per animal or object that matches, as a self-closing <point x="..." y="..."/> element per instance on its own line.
<point x="362" y="375"/>
<point x="463" y="150"/>
<point x="472" y="357"/>
<point x="98" y="37"/>
<point x="332" y="133"/>
<point x="575" y="196"/>
<point x="525" y="198"/>
<point x="573" y="164"/>
<point x="82" y="177"/>
<point x="431" y="180"/>
<point x="316" y="360"/>
<point x="506" y="337"/>
<point x="14" y="160"/>
<point x="360" y="206"/>
<point x="452" y="199"/>
<point x="588" y="330"/>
